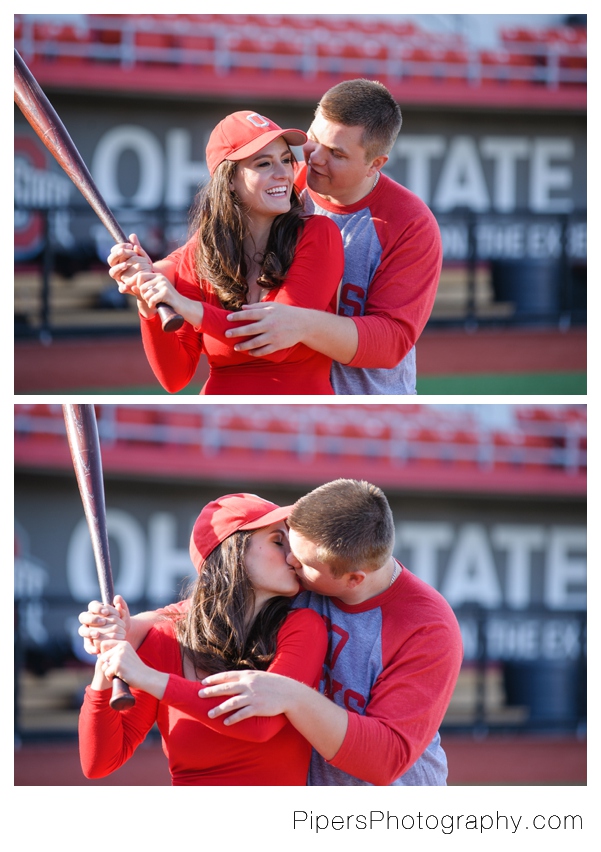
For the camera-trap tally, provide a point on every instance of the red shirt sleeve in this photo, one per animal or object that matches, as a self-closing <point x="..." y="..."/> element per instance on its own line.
<point x="301" y="648"/>
<point x="180" y="607"/>
<point x="174" y="357"/>
<point x="401" y="295"/>
<point x="107" y="737"/>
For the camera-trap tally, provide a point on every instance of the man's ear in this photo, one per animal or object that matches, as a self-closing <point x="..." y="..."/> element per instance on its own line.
<point x="378" y="164"/>
<point x="355" y="578"/>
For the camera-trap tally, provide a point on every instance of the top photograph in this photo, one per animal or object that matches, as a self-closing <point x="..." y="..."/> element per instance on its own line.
<point x="300" y="205"/>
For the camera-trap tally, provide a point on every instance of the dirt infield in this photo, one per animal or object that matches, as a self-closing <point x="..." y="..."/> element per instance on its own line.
<point x="520" y="761"/>
<point x="113" y="362"/>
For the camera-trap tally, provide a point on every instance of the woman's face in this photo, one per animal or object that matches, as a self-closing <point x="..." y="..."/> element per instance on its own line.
<point x="266" y="565"/>
<point x="263" y="182"/>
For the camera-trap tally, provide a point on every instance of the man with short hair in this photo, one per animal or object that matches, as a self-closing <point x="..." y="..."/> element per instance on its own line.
<point x="394" y="655"/>
<point x="392" y="246"/>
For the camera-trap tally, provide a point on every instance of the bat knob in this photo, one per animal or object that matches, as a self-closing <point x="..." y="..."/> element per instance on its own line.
<point x="170" y="320"/>
<point x="121" y="697"/>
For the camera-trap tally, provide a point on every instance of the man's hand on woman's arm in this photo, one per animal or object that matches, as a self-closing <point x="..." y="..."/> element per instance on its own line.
<point x="277" y="326"/>
<point x="257" y="693"/>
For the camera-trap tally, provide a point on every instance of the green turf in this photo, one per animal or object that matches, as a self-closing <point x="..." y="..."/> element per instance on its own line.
<point x="479" y="384"/>
<point x="140" y="390"/>
<point x="509" y="383"/>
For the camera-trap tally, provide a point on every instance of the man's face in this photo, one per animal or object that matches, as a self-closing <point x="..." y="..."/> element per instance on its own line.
<point x="314" y="576"/>
<point x="335" y="157"/>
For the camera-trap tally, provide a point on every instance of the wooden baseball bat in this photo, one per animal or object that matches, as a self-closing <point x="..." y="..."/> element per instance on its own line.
<point x="82" y="434"/>
<point x="43" y="118"/>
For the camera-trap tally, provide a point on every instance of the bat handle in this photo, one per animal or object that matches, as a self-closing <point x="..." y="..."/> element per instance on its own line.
<point x="121" y="698"/>
<point x="170" y="320"/>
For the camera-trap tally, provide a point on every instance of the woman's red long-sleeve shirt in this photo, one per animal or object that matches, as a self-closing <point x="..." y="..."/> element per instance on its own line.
<point x="260" y="751"/>
<point x="312" y="282"/>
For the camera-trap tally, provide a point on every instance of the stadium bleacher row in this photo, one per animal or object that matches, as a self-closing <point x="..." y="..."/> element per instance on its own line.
<point x="306" y="46"/>
<point x="547" y="437"/>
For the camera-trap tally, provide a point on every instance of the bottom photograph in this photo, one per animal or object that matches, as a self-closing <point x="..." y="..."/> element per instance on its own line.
<point x="249" y="594"/>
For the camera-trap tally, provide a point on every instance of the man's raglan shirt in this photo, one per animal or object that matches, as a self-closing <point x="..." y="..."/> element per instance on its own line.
<point x="392" y="663"/>
<point x="393" y="259"/>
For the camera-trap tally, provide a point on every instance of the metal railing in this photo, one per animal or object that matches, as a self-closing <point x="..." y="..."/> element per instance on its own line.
<point x="398" y="438"/>
<point x="228" y="47"/>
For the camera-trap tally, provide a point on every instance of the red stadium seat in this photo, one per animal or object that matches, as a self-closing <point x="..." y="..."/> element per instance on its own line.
<point x="568" y="36"/>
<point x="329" y="56"/>
<point x="135" y="414"/>
<point x="491" y="65"/>
<point x="519" y="35"/>
<point x="104" y="33"/>
<point x="304" y="23"/>
<point x="60" y="42"/>
<point x="465" y="445"/>
<point x="452" y="65"/>
<point x="195" y="42"/>
<point x="499" y="67"/>
<point x="152" y="39"/>
<point x="402" y="29"/>
<point x="418" y="64"/>
<point x="153" y="47"/>
<point x="198" y="50"/>
<point x="181" y="426"/>
<point x="73" y="37"/>
<point x="109" y="38"/>
<point x="289" y="56"/>
<point x="574" y="63"/>
<point x="373" y="27"/>
<point x="248" y="52"/>
<point x="337" y="23"/>
<point x="182" y="417"/>
<point x="46" y="426"/>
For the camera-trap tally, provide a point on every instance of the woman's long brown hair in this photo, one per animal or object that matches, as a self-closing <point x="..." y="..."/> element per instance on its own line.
<point x="220" y="220"/>
<point x="215" y="634"/>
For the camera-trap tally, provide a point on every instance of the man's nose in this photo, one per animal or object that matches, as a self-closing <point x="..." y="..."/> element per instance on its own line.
<point x="292" y="560"/>
<point x="317" y="155"/>
<point x="310" y="150"/>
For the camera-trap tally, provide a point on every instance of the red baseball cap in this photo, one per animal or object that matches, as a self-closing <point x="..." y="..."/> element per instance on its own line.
<point x="242" y="134"/>
<point x="222" y="517"/>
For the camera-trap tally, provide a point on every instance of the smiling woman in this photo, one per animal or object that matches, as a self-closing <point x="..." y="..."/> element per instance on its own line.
<point x="263" y="184"/>
<point x="251" y="243"/>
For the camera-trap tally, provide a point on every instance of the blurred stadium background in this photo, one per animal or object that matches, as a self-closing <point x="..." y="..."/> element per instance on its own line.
<point x="490" y="508"/>
<point x="494" y="140"/>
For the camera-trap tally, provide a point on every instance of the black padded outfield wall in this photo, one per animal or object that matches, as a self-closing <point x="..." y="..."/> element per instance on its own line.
<point x="522" y="175"/>
<point x="523" y="560"/>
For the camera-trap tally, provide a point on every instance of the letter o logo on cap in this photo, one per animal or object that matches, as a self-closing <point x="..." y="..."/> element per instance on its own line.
<point x="255" y="115"/>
